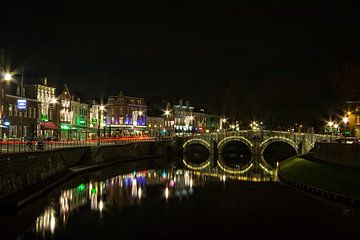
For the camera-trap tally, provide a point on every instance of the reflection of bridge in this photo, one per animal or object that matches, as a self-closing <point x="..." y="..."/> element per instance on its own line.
<point x="256" y="141"/>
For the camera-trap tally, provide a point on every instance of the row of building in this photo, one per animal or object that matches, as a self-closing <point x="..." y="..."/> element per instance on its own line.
<point x="44" y="111"/>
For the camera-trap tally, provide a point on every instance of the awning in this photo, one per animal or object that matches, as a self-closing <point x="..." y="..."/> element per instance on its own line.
<point x="48" y="125"/>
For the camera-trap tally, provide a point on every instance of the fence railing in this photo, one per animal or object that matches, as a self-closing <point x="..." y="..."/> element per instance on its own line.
<point x="14" y="146"/>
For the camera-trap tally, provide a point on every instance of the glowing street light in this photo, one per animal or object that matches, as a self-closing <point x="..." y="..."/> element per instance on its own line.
<point x="7" y="76"/>
<point x="167" y="113"/>
<point x="140" y="113"/>
<point x="330" y="124"/>
<point x="345" y="120"/>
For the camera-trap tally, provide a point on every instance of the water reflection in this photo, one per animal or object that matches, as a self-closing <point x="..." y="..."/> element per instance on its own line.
<point x="116" y="193"/>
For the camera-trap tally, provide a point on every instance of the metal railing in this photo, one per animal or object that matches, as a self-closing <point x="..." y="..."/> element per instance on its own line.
<point x="15" y="146"/>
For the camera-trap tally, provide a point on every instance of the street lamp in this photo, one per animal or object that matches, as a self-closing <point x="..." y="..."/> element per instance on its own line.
<point x="8" y="77"/>
<point x="167" y="114"/>
<point x="101" y="109"/>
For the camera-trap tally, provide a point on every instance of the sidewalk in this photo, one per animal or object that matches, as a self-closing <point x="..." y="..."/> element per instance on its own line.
<point x="329" y="180"/>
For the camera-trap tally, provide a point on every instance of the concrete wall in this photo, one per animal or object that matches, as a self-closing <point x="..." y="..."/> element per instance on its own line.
<point x="21" y="170"/>
<point x="343" y="154"/>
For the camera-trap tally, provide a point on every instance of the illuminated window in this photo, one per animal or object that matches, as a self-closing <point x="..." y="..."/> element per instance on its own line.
<point x="10" y="110"/>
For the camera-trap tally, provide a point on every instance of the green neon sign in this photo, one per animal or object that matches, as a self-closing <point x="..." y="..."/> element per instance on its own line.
<point x="44" y="118"/>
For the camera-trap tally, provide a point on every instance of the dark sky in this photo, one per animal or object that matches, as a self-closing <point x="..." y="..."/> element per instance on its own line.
<point x="185" y="51"/>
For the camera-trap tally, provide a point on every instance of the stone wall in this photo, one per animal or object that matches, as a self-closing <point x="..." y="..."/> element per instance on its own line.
<point x="18" y="171"/>
<point x="343" y="154"/>
<point x="21" y="170"/>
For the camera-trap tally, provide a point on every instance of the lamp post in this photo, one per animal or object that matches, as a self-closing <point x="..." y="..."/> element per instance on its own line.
<point x="100" y="109"/>
<point x="167" y="114"/>
<point x="8" y="77"/>
<point x="346" y="120"/>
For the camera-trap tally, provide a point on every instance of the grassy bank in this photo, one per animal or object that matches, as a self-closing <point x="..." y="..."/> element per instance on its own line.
<point x="328" y="177"/>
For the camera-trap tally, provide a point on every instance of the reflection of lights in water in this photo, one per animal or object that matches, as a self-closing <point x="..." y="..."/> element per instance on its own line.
<point x="223" y="178"/>
<point x="277" y="164"/>
<point x="102" y="186"/>
<point x="101" y="205"/>
<point x="134" y="188"/>
<point x="121" y="182"/>
<point x="166" y="193"/>
<point x="93" y="202"/>
<point x="90" y="187"/>
<point x="191" y="183"/>
<point x="186" y="179"/>
<point x="171" y="183"/>
<point x="139" y="193"/>
<point x="52" y="223"/>
<point x="46" y="221"/>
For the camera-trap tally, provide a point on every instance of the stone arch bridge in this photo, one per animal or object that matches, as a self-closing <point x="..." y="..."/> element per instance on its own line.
<point x="257" y="141"/>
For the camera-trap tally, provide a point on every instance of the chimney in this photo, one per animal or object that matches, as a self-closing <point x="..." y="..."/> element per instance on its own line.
<point x="45" y="81"/>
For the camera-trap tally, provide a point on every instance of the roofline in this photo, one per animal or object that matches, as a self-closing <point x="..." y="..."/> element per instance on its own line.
<point x="14" y="96"/>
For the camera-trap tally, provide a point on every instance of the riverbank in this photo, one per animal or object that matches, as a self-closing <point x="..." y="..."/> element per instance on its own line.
<point x="333" y="181"/>
<point x="23" y="176"/>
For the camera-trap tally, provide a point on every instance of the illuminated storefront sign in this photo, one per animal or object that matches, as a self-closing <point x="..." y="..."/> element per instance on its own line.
<point x="21" y="104"/>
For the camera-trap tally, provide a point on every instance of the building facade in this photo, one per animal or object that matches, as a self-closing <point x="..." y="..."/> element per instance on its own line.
<point x="97" y="119"/>
<point x="47" y="108"/>
<point x="353" y="116"/>
<point x="80" y="119"/>
<point x="125" y="115"/>
<point x="17" y="123"/>
<point x="65" y="113"/>
<point x="155" y="126"/>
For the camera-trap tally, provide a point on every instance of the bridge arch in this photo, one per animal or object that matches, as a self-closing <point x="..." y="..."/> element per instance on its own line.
<point x="231" y="170"/>
<point x="241" y="139"/>
<point x="196" y="141"/>
<point x="270" y="140"/>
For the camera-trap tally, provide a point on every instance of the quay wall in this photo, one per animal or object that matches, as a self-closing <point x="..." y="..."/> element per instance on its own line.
<point x="342" y="154"/>
<point x="21" y="170"/>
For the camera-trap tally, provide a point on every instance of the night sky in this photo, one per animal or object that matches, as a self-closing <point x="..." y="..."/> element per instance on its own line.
<point x="280" y="58"/>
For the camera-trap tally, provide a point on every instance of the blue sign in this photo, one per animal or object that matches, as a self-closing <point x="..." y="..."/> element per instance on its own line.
<point x="22" y="104"/>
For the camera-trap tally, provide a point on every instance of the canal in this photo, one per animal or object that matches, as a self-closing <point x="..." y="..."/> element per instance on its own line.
<point x="155" y="199"/>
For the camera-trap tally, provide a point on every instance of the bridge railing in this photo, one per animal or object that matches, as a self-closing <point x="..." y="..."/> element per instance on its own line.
<point x="264" y="134"/>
